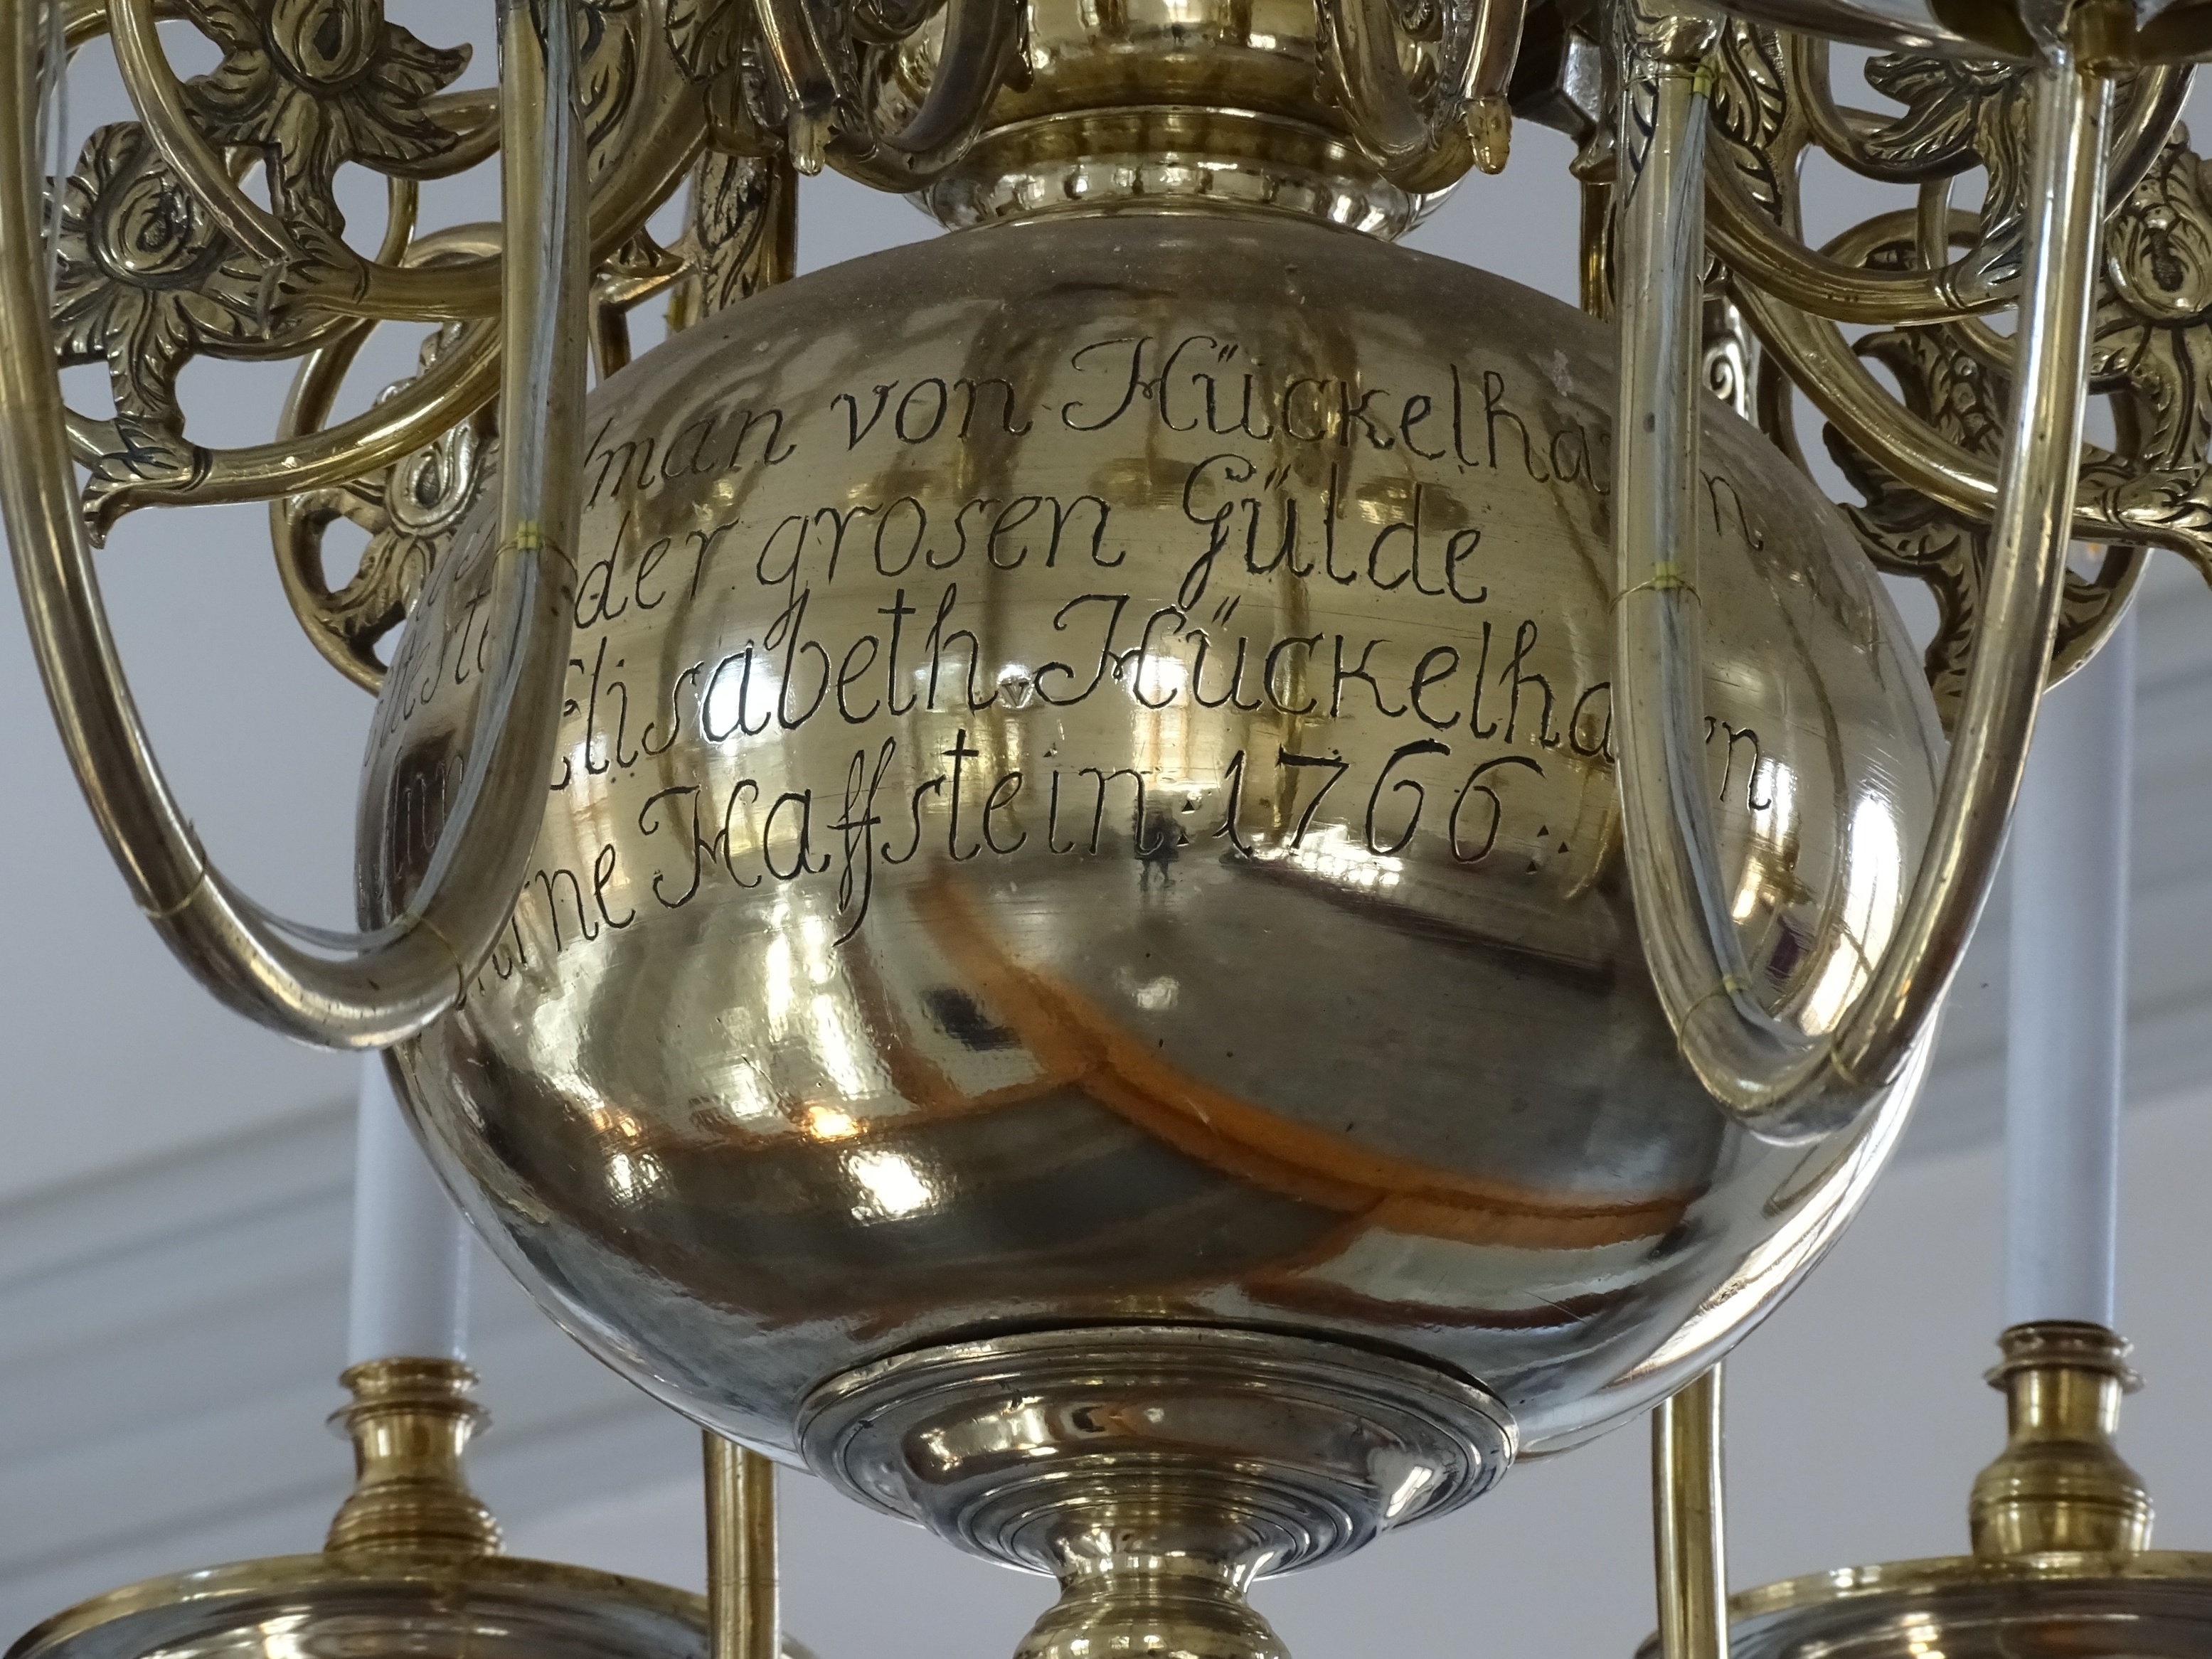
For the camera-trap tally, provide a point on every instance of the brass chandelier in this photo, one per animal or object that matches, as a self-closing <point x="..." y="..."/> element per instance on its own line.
<point x="1154" y="883"/>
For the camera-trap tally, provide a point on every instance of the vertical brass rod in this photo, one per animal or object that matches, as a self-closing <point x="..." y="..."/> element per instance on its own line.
<point x="743" y="1593"/>
<point x="1689" y="1536"/>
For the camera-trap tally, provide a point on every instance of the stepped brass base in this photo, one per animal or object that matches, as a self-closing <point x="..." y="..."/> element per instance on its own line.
<point x="1156" y="1470"/>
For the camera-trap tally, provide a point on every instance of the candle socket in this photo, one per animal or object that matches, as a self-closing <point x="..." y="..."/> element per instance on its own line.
<point x="410" y="1421"/>
<point x="2059" y="1485"/>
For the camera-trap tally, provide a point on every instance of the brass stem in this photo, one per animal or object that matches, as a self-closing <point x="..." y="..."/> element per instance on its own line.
<point x="1689" y="1532"/>
<point x="743" y="1592"/>
<point x="410" y="1421"/>
<point x="2060" y="1485"/>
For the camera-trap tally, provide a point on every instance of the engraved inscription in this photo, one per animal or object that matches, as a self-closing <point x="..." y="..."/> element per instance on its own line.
<point x="1246" y="565"/>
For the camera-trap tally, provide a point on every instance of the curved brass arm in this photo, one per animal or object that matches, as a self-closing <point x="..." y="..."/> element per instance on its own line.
<point x="1775" y="1077"/>
<point x="1845" y="390"/>
<point x="1842" y="133"/>
<point x="340" y="990"/>
<point x="1829" y="285"/>
<point x="1780" y="265"/>
<point x="982" y="38"/>
<point x="1425" y="145"/>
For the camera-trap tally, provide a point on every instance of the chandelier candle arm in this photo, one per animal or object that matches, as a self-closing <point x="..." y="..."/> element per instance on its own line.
<point x="335" y="989"/>
<point x="1689" y="1532"/>
<point x="1770" y="1074"/>
<point x="745" y="1612"/>
<point x="409" y="1292"/>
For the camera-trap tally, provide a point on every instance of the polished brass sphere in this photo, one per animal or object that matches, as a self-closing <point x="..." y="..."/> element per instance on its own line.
<point x="1087" y="797"/>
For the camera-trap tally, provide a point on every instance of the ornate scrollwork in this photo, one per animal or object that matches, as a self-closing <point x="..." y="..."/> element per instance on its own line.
<point x="1923" y="448"/>
<point x="836" y="81"/>
<point x="1906" y="534"/>
<point x="410" y="511"/>
<point x="739" y="239"/>
<point x="165" y="257"/>
<point x="740" y="235"/>
<point x="314" y="84"/>
<point x="2154" y="349"/>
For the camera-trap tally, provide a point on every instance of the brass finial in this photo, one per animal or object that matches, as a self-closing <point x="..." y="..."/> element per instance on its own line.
<point x="410" y="1420"/>
<point x="2059" y="1485"/>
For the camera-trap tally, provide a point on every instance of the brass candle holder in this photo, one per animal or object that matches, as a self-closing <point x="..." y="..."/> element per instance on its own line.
<point x="411" y="1565"/>
<point x="2060" y="1562"/>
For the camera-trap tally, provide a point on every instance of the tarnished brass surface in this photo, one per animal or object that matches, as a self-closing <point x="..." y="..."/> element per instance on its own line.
<point x="1030" y="846"/>
<point x="744" y="1590"/>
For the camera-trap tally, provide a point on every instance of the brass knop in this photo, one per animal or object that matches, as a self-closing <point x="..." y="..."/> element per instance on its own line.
<point x="1153" y="1576"/>
<point x="2059" y="1485"/>
<point x="410" y="1421"/>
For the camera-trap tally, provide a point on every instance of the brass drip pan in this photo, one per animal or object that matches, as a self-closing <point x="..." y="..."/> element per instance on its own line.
<point x="2059" y="1522"/>
<point x="410" y="1571"/>
<point x="328" y="1606"/>
<point x="2153" y="1604"/>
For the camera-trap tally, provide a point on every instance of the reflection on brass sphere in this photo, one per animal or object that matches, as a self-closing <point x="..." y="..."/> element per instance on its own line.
<point x="1087" y="796"/>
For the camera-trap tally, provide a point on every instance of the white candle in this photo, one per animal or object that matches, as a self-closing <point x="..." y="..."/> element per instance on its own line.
<point x="2067" y="1026"/>
<point x="411" y="1246"/>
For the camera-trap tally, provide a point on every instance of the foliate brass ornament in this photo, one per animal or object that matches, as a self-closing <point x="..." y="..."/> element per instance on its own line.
<point x="1934" y="269"/>
<point x="1961" y="393"/>
<point x="2154" y="346"/>
<point x="144" y="278"/>
<point x="144" y="281"/>
<point x="740" y="234"/>
<point x="739" y="239"/>
<point x="313" y="85"/>
<point x="166" y="257"/>
<point x="410" y="511"/>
